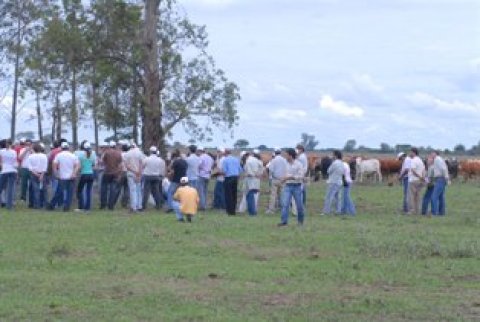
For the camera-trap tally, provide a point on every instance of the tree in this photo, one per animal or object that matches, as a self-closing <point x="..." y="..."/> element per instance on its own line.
<point x="262" y="147"/>
<point x="241" y="144"/>
<point x="17" y="27"/>
<point x="459" y="149"/>
<point x="309" y="142"/>
<point x="385" y="148"/>
<point x="350" y="145"/>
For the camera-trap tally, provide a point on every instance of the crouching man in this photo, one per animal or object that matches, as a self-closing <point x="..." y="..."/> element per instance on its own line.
<point x="186" y="201"/>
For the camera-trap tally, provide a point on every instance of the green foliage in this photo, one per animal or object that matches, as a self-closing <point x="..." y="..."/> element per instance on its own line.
<point x="241" y="144"/>
<point x="309" y="142"/>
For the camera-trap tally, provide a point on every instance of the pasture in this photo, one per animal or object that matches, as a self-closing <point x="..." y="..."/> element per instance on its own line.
<point x="379" y="265"/>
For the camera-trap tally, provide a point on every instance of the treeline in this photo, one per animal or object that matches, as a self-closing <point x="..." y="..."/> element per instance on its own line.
<point x="136" y="68"/>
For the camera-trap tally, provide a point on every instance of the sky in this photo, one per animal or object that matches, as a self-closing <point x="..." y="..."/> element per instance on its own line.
<point x="393" y="71"/>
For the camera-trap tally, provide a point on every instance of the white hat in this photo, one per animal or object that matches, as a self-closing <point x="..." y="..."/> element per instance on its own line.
<point x="401" y="154"/>
<point x="256" y="151"/>
<point x="200" y="148"/>
<point x="153" y="149"/>
<point x="243" y="153"/>
<point x="41" y="145"/>
<point x="112" y="144"/>
<point x="221" y="149"/>
<point x="87" y="146"/>
<point x="277" y="149"/>
<point x="65" y="145"/>
<point x="23" y="140"/>
<point x="184" y="180"/>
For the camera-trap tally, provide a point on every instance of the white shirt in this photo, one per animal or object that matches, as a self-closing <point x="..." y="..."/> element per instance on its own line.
<point x="277" y="167"/>
<point x="253" y="171"/>
<point x="418" y="166"/>
<point x="9" y="160"/>
<point x="165" y="184"/>
<point x="37" y="162"/>
<point x="295" y="170"/>
<point x="25" y="156"/>
<point x="440" y="168"/>
<point x="348" y="177"/>
<point x="220" y="178"/>
<point x="193" y="162"/>
<point x="153" y="166"/>
<point x="134" y="160"/>
<point x="302" y="158"/>
<point x="67" y="162"/>
<point x="406" y="165"/>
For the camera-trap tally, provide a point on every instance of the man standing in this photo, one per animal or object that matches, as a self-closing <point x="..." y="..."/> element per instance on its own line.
<point x="441" y="179"/>
<point x="153" y="173"/>
<point x="277" y="169"/>
<point x="292" y="181"/>
<point x="204" y="173"/>
<point x="113" y="167"/>
<point x="193" y="162"/>
<point x="8" y="173"/>
<point x="416" y="176"/>
<point x="253" y="174"/>
<point x="302" y="158"/>
<point x="134" y="165"/>
<point x="403" y="177"/>
<point x="65" y="166"/>
<point x="177" y="170"/>
<point x="231" y="169"/>
<point x="219" y="190"/>
<point x="23" y="155"/>
<point x="336" y="171"/>
<point x="38" y="166"/>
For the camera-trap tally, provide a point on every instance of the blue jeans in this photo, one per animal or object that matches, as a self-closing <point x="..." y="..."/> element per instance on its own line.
<point x="295" y="191"/>
<point x="8" y="181"/>
<point x="251" y="205"/>
<point x="438" y="197"/>
<point x="176" y="207"/>
<point x="38" y="191"/>
<point x="84" y="191"/>
<point x="333" y="194"/>
<point x="203" y="192"/>
<point x="135" y="189"/>
<point x="193" y="183"/>
<point x="304" y="194"/>
<point x="109" y="191"/>
<point x="405" y="193"/>
<point x="219" y="195"/>
<point x="427" y="199"/>
<point x="348" y="207"/>
<point x="63" y="194"/>
<point x="171" y="191"/>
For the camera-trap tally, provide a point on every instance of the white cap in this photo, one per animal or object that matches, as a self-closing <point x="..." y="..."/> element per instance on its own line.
<point x="87" y="146"/>
<point x="221" y="149"/>
<point x="153" y="149"/>
<point x="200" y="148"/>
<point x="112" y="144"/>
<point x="243" y="153"/>
<point x="256" y="151"/>
<point x="65" y="145"/>
<point x="41" y="145"/>
<point x="277" y="149"/>
<point x="184" y="180"/>
<point x="401" y="154"/>
<point x="23" y="140"/>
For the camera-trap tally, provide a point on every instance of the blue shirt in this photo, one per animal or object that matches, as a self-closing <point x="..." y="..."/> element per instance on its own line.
<point x="231" y="166"/>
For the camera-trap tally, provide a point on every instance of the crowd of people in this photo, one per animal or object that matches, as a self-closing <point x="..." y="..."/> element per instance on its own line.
<point x="180" y="184"/>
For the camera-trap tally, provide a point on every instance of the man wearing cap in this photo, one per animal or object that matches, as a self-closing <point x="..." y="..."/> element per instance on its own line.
<point x="416" y="178"/>
<point x="193" y="162"/>
<point x="441" y="178"/>
<point x="113" y="163"/>
<point x="277" y="169"/>
<point x="8" y="173"/>
<point x="65" y="167"/>
<point x="153" y="173"/>
<point x="231" y="169"/>
<point x="134" y="164"/>
<point x="186" y="201"/>
<point x="204" y="174"/>
<point x="38" y="166"/>
<point x="253" y="173"/>
<point x="292" y="181"/>
<point x="403" y="177"/>
<point x="219" y="190"/>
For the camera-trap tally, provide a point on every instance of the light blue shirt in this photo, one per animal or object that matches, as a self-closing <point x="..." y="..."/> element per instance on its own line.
<point x="193" y="162"/>
<point x="231" y="166"/>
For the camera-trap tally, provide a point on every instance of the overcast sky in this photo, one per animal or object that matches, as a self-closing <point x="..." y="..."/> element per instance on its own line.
<point x="394" y="71"/>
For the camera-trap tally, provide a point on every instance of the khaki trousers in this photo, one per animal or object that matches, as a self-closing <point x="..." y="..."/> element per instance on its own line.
<point x="414" y="196"/>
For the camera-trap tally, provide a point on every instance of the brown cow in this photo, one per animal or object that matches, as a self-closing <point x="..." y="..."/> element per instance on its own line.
<point x="469" y="169"/>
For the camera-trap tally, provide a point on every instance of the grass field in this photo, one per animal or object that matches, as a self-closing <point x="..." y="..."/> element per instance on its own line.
<point x="379" y="265"/>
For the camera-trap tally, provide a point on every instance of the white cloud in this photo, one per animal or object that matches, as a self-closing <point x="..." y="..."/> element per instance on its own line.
<point x="366" y="83"/>
<point x="288" y="114"/>
<point x="426" y="100"/>
<point x="340" y="107"/>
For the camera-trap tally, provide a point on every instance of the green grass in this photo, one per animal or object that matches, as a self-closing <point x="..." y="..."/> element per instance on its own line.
<point x="114" y="267"/>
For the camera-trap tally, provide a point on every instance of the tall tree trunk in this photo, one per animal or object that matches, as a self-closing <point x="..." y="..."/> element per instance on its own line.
<point x="95" y="107"/>
<point x="15" y="82"/>
<point x="39" y="114"/>
<point x="74" y="111"/>
<point x="58" y="115"/>
<point x="134" y="105"/>
<point x="152" y="119"/>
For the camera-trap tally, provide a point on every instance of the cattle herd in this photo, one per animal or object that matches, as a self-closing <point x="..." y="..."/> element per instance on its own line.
<point x="378" y="169"/>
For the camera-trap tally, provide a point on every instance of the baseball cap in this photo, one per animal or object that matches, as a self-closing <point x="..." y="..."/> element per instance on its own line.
<point x="184" y="180"/>
<point x="200" y="148"/>
<point x="221" y="149"/>
<point x="256" y="151"/>
<point x="153" y="149"/>
<point x="65" y="145"/>
<point x="112" y="144"/>
<point x="277" y="149"/>
<point x="87" y="146"/>
<point x="401" y="154"/>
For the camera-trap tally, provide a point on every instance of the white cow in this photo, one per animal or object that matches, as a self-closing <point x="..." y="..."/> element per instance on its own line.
<point x="371" y="166"/>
